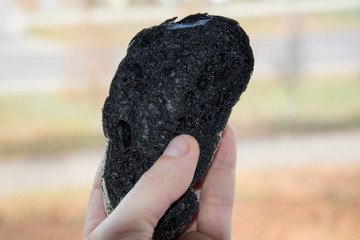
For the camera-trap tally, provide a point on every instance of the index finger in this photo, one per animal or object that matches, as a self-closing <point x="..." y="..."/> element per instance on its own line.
<point x="217" y="193"/>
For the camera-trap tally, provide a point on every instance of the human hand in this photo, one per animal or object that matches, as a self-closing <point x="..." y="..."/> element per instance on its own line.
<point x="138" y="213"/>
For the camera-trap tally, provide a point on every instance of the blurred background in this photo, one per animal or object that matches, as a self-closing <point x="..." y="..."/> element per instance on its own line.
<point x="298" y="122"/>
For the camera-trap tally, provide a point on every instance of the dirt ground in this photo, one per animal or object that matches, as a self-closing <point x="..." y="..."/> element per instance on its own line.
<point x="299" y="204"/>
<point x="291" y="204"/>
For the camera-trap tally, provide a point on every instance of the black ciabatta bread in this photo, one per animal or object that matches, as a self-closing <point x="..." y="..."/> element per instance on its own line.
<point x="177" y="78"/>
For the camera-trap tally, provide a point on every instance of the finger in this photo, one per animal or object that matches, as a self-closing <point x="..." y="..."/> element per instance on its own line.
<point x="217" y="193"/>
<point x="140" y="210"/>
<point x="194" y="236"/>
<point x="95" y="213"/>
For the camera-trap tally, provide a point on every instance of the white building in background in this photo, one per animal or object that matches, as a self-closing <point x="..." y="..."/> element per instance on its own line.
<point x="11" y="18"/>
<point x="63" y="4"/>
<point x="169" y="2"/>
<point x="219" y="1"/>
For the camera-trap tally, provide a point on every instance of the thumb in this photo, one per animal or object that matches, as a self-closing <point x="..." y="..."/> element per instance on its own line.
<point x="139" y="212"/>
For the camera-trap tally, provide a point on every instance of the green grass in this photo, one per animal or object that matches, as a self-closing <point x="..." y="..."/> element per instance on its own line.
<point x="44" y="123"/>
<point x="311" y="104"/>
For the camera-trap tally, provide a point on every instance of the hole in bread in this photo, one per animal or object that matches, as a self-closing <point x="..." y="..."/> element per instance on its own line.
<point x="136" y="69"/>
<point x="145" y="41"/>
<point x="222" y="57"/>
<point x="189" y="96"/>
<point x="140" y="87"/>
<point x="222" y="75"/>
<point x="163" y="55"/>
<point x="202" y="82"/>
<point x="124" y="130"/>
<point x="181" y="123"/>
<point x="144" y="95"/>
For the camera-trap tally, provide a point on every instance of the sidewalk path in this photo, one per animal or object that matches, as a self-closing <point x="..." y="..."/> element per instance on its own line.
<point x="315" y="150"/>
<point x="70" y="170"/>
<point x="78" y="169"/>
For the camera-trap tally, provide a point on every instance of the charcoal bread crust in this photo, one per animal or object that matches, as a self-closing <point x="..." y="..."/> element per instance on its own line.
<point x="177" y="78"/>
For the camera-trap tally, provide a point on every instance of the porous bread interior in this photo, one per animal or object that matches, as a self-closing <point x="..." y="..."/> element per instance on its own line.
<point x="106" y="199"/>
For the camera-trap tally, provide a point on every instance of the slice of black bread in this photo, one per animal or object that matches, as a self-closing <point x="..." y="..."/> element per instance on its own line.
<point x="177" y="78"/>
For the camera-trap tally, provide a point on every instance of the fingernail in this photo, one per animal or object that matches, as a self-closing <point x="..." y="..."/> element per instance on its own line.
<point x="177" y="147"/>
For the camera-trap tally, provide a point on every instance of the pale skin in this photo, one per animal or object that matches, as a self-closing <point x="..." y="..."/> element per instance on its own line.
<point x="138" y="213"/>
